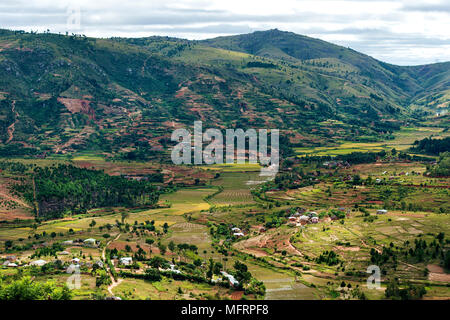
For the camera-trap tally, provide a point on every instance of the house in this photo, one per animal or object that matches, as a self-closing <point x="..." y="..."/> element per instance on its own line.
<point x="235" y="229"/>
<point x="292" y="218"/>
<point x="172" y="269"/>
<point x="90" y="242"/>
<point x="238" y="234"/>
<point x="75" y="261"/>
<point x="9" y="264"/>
<point x="312" y="214"/>
<point x="38" y="263"/>
<point x="314" y="220"/>
<point x="230" y="278"/>
<point x="126" y="261"/>
<point x="67" y="243"/>
<point x="304" y="218"/>
<point x="382" y="211"/>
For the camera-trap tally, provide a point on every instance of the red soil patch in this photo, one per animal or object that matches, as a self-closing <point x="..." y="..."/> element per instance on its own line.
<point x="77" y="106"/>
<point x="237" y="295"/>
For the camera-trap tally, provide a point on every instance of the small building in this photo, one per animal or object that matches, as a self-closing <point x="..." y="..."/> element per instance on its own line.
<point x="314" y="219"/>
<point x="381" y="211"/>
<point x="235" y="229"/>
<point x="304" y="218"/>
<point x="90" y="242"/>
<point x="99" y="263"/>
<point x="126" y="261"/>
<point x="63" y="253"/>
<point x="292" y="218"/>
<point x="67" y="243"/>
<point x="262" y="229"/>
<point x="75" y="261"/>
<point x="238" y="234"/>
<point x="38" y="263"/>
<point x="230" y="278"/>
<point x="12" y="265"/>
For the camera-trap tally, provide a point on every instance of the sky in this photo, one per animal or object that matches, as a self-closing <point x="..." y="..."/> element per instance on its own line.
<point x="403" y="32"/>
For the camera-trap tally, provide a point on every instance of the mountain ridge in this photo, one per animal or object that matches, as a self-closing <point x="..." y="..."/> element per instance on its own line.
<point x="120" y="95"/>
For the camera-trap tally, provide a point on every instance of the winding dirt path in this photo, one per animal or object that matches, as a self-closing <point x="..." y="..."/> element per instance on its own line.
<point x="12" y="127"/>
<point x="114" y="283"/>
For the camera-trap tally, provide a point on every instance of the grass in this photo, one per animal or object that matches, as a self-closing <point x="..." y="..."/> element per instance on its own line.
<point x="403" y="140"/>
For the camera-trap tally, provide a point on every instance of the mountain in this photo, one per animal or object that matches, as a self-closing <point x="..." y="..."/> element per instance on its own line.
<point x="124" y="96"/>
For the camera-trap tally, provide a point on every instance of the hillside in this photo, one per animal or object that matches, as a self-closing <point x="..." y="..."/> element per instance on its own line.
<point x="123" y="97"/>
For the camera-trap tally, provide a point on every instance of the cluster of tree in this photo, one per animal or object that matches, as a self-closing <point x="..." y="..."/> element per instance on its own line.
<point x="28" y="289"/>
<point x="16" y="150"/>
<point x="258" y="64"/>
<point x="65" y="188"/>
<point x="442" y="169"/>
<point x="417" y="252"/>
<point x="329" y="258"/>
<point x="432" y="146"/>
<point x="397" y="291"/>
<point x="47" y="251"/>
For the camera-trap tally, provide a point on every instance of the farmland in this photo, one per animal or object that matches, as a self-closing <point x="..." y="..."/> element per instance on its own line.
<point x="211" y="219"/>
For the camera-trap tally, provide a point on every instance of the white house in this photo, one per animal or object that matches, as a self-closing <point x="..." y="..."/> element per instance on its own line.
<point x="238" y="234"/>
<point x="235" y="229"/>
<point x="126" y="261"/>
<point x="38" y="263"/>
<point x="314" y="220"/>
<point x="304" y="218"/>
<point x="90" y="242"/>
<point x="67" y="243"/>
<point x="382" y="211"/>
<point x="230" y="278"/>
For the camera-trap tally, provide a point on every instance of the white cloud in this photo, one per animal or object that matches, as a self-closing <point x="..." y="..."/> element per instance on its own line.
<point x="402" y="31"/>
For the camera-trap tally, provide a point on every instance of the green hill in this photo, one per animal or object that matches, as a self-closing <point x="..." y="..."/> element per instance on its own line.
<point x="124" y="96"/>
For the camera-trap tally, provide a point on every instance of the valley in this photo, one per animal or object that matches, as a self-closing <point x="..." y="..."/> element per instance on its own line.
<point x="92" y="208"/>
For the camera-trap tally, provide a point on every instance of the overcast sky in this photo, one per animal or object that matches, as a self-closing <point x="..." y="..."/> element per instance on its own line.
<point x="404" y="32"/>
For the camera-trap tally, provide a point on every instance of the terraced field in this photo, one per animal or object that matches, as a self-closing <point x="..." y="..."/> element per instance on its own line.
<point x="236" y="188"/>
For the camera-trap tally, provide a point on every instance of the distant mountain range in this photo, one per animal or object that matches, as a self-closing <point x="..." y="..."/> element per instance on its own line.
<point x="122" y="96"/>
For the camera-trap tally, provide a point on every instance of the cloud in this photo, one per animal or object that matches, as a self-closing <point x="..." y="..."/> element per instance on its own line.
<point x="402" y="31"/>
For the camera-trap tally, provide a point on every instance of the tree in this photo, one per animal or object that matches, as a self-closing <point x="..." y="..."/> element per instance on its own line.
<point x="171" y="246"/>
<point x="28" y="289"/>
<point x="124" y="215"/>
